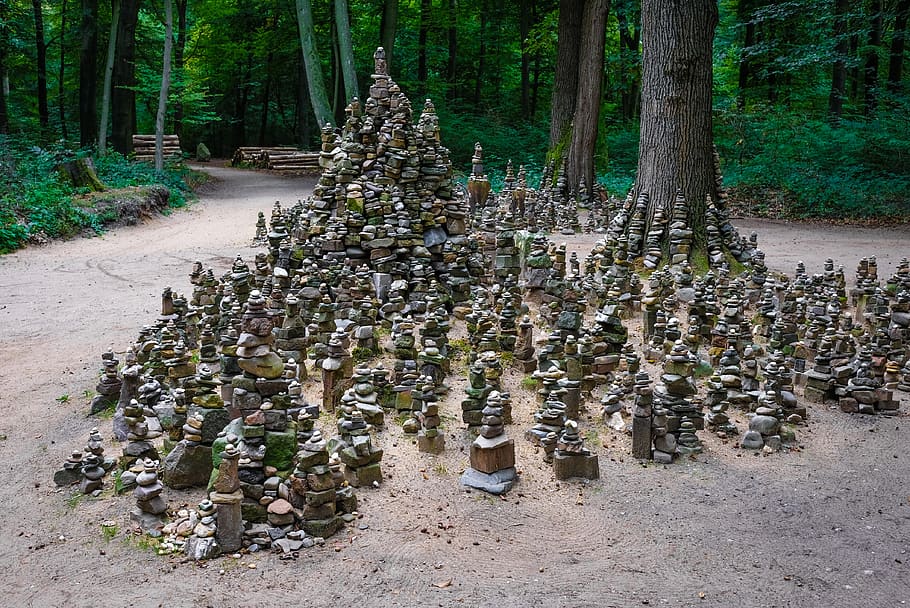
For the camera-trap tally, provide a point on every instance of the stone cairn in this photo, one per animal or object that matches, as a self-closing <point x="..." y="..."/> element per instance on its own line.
<point x="492" y="453"/>
<point x="572" y="458"/>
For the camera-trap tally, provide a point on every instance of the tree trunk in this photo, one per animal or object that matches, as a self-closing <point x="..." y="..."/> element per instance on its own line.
<point x="451" y="66"/>
<point x="425" y="8"/>
<point x="4" y="37"/>
<point x="898" y="38"/>
<point x="123" y="98"/>
<point x="676" y="145"/>
<point x="524" y="29"/>
<point x="839" y="73"/>
<point x="870" y="72"/>
<point x="41" y="65"/>
<point x="481" y="54"/>
<point x="304" y="127"/>
<point x="266" y="94"/>
<point x="745" y="17"/>
<point x="80" y="173"/>
<point x="178" y="64"/>
<point x="580" y="159"/>
<point x="61" y="84"/>
<point x="315" y="81"/>
<point x="165" y="85"/>
<point x="346" y="48"/>
<point x="108" y="77"/>
<point x="629" y="42"/>
<point x="565" y="78"/>
<point x="88" y="74"/>
<point x="387" y="28"/>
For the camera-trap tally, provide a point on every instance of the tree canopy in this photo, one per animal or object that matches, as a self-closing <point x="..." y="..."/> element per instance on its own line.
<point x="810" y="98"/>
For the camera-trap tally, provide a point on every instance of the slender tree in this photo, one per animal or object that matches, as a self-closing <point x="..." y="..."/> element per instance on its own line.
<point x="524" y="29"/>
<point x="839" y="72"/>
<point x="580" y="157"/>
<point x="165" y="85"/>
<point x="179" y="49"/>
<point x="41" y="64"/>
<point x="426" y="6"/>
<point x="108" y="77"/>
<point x="4" y="37"/>
<point x="451" y="66"/>
<point x="346" y="48"/>
<point x="870" y="70"/>
<point x="88" y="73"/>
<point x="61" y="81"/>
<point x="744" y="14"/>
<point x="898" y="40"/>
<point x="123" y="97"/>
<point x="316" y="83"/>
<point x="676" y="141"/>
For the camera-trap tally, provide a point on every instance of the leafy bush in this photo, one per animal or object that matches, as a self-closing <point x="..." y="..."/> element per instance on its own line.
<point x="36" y="203"/>
<point x="858" y="168"/>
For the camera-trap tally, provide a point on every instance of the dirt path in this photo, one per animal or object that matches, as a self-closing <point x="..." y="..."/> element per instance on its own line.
<point x="827" y="526"/>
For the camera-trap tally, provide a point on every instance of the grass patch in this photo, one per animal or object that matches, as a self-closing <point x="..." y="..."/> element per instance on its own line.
<point x="530" y="384"/>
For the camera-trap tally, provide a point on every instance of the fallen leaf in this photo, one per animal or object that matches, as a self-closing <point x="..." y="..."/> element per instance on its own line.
<point x="443" y="584"/>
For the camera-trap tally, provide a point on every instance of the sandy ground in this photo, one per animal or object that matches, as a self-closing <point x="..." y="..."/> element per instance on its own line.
<point x="825" y="526"/>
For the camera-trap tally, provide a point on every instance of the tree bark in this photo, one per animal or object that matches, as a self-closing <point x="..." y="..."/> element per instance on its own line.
<point x="88" y="73"/>
<point x="41" y="65"/>
<point x="179" y="49"/>
<point x="165" y="85"/>
<point x="108" y="77"/>
<point x="388" y="27"/>
<point x="123" y="98"/>
<point x="318" y="96"/>
<point x="676" y="141"/>
<point x="898" y="39"/>
<point x="870" y="70"/>
<point x="61" y="84"/>
<point x="565" y="78"/>
<point x="839" y="73"/>
<point x="346" y="48"/>
<point x="580" y="159"/>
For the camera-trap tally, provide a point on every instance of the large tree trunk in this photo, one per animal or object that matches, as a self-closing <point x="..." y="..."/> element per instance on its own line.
<point x="88" y="74"/>
<point x="346" y="48"/>
<point x="318" y="95"/>
<point x="61" y="83"/>
<point x="165" y="85"/>
<point x="387" y="29"/>
<point x="676" y="145"/>
<point x="898" y="38"/>
<point x="839" y="73"/>
<point x="580" y="158"/>
<point x="565" y="78"/>
<point x="123" y="98"/>
<point x="870" y="72"/>
<point x="108" y="77"/>
<point x="178" y="64"/>
<point x="41" y="65"/>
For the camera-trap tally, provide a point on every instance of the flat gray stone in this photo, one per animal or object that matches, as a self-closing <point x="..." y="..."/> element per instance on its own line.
<point x="498" y="482"/>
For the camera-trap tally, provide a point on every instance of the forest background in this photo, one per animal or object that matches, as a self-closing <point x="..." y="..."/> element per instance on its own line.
<point x="811" y="109"/>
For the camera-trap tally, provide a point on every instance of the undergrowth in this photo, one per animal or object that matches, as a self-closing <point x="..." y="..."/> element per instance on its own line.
<point x="36" y="204"/>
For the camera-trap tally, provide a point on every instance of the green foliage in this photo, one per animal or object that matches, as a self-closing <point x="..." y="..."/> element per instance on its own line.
<point x="36" y="204"/>
<point x="858" y="168"/>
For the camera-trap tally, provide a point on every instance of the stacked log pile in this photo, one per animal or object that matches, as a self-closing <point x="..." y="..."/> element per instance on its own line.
<point x="144" y="147"/>
<point x="279" y="158"/>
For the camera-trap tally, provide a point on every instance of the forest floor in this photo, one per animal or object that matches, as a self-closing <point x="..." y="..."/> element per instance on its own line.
<point x="827" y="525"/>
